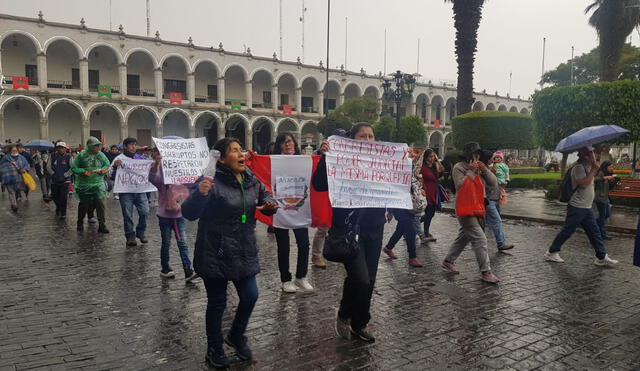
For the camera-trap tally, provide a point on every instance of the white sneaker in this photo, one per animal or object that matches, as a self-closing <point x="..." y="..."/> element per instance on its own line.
<point x="289" y="287"/>
<point x="606" y="261"/>
<point x="553" y="257"/>
<point x="304" y="284"/>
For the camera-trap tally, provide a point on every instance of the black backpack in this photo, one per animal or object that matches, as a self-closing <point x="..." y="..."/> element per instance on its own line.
<point x="566" y="188"/>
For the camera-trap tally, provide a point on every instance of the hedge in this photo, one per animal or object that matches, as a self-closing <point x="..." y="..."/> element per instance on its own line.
<point x="494" y="130"/>
<point x="532" y="183"/>
<point x="526" y="170"/>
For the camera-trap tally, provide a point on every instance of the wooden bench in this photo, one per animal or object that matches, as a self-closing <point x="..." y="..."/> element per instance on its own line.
<point x="628" y="188"/>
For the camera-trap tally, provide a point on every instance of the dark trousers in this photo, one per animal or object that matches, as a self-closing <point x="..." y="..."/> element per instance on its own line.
<point x="302" y="241"/>
<point x="604" y="212"/>
<point x="636" y="250"/>
<point x="216" y="303"/>
<point x="405" y="228"/>
<point x="96" y="204"/>
<point x="60" y="195"/>
<point x="360" y="280"/>
<point x="580" y="217"/>
<point x="429" y="213"/>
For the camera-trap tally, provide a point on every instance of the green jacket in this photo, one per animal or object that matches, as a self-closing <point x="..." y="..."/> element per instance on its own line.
<point x="90" y="187"/>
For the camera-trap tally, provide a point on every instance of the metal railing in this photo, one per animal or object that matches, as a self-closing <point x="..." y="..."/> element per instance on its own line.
<point x="137" y="92"/>
<point x="206" y="99"/>
<point x="63" y="84"/>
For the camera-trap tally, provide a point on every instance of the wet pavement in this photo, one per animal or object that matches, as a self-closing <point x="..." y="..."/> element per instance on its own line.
<point x="84" y="300"/>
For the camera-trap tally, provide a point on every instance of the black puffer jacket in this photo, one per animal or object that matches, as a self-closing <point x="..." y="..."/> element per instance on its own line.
<point x="226" y="247"/>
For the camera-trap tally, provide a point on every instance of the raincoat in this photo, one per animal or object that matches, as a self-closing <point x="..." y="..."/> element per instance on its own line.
<point x="87" y="188"/>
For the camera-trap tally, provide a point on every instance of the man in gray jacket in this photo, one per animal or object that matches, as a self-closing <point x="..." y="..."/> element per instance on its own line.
<point x="471" y="227"/>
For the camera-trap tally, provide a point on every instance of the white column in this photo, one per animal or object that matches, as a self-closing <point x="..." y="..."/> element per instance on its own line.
<point x="191" y="87"/>
<point x="42" y="71"/>
<point x="84" y="76"/>
<point x="124" y="130"/>
<point x="85" y="131"/>
<point x="221" y="132"/>
<point x="299" y="101"/>
<point x="248" y="138"/>
<point x="192" y="131"/>
<point x="443" y="115"/>
<point x="321" y="102"/>
<point x="412" y="106"/>
<point x="2" y="137"/>
<point x="429" y="114"/>
<point x="122" y="74"/>
<point x="221" y="97"/>
<point x="44" y="128"/>
<point x="159" y="129"/>
<point x="248" y="92"/>
<point x="340" y="100"/>
<point x="379" y="106"/>
<point x="274" y="97"/>
<point x="157" y="78"/>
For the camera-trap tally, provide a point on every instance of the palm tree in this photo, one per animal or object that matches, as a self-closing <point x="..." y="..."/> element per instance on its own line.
<point x="614" y="20"/>
<point x="467" y="15"/>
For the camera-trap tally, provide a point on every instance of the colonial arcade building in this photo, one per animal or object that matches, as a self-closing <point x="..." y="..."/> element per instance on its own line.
<point x="67" y="82"/>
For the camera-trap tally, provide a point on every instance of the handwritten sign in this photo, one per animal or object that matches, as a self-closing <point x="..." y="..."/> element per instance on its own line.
<point x="183" y="160"/>
<point x="132" y="176"/>
<point x="368" y="174"/>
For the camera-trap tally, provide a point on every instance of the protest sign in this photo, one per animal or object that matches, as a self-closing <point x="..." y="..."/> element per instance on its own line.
<point x="368" y="174"/>
<point x="183" y="160"/>
<point x="132" y="176"/>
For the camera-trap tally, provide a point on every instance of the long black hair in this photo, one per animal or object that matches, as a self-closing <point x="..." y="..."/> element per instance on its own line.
<point x="427" y="153"/>
<point x="604" y="166"/>
<point x="356" y="128"/>
<point x="280" y="139"/>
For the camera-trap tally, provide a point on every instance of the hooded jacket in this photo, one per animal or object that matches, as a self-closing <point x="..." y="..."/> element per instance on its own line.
<point x="92" y="186"/>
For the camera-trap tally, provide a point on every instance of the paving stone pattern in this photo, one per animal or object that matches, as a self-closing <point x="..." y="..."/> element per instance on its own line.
<point x="84" y="300"/>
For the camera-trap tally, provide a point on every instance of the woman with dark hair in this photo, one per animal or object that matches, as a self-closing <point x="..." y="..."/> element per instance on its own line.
<point x="603" y="180"/>
<point x="286" y="144"/>
<point x="353" y="315"/>
<point x="431" y="171"/>
<point x="226" y="245"/>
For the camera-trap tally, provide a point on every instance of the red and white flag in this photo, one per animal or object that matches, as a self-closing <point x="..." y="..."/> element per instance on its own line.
<point x="288" y="178"/>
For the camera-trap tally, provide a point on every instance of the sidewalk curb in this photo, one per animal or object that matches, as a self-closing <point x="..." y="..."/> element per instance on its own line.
<point x="610" y="228"/>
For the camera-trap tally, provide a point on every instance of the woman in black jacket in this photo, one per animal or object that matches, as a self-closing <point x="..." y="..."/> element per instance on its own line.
<point x="226" y="245"/>
<point x="353" y="315"/>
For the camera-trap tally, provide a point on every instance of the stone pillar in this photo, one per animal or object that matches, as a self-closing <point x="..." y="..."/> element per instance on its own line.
<point x="159" y="129"/>
<point x="85" y="131"/>
<point x="248" y="137"/>
<point x="321" y="102"/>
<point x="412" y="106"/>
<point x="191" y="87"/>
<point x="443" y="116"/>
<point x="340" y="100"/>
<point x="84" y="76"/>
<point x="275" y="97"/>
<point x="221" y="131"/>
<point x="299" y="101"/>
<point x="318" y="138"/>
<point x="157" y="78"/>
<point x="429" y="114"/>
<point x="248" y="92"/>
<point x="122" y="74"/>
<point x="44" y="128"/>
<point x="379" y="112"/>
<point x="42" y="71"/>
<point x="221" y="97"/>
<point x="192" y="131"/>
<point x="2" y="137"/>
<point x="124" y="130"/>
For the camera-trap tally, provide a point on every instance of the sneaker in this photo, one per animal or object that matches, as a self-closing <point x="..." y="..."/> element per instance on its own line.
<point x="505" y="247"/>
<point x="14" y="208"/>
<point x="553" y="257"/>
<point x="489" y="277"/>
<point x="289" y="287"/>
<point x="415" y="263"/>
<point x="364" y="335"/>
<point x="92" y="220"/>
<point x="143" y="239"/>
<point x="450" y="267"/>
<point x="319" y="262"/>
<point x="190" y="276"/>
<point x="79" y="227"/>
<point x="167" y="274"/>
<point x="217" y="359"/>
<point x="304" y="284"/>
<point x="116" y="197"/>
<point x="103" y="229"/>
<point x="606" y="261"/>
<point x="389" y="253"/>
<point x="240" y="346"/>
<point x="343" y="328"/>
<point x="131" y="242"/>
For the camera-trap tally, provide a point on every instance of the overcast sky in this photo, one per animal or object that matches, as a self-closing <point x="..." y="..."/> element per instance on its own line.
<point x="510" y="35"/>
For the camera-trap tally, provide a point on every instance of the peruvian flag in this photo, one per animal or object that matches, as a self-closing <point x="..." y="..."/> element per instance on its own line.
<point x="288" y="178"/>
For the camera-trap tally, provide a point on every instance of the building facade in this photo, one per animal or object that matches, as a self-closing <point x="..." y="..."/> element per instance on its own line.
<point x="158" y="87"/>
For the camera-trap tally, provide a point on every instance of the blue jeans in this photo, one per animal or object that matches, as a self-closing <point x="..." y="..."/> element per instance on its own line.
<point x="584" y="218"/>
<point x="405" y="228"/>
<point x="175" y="226"/>
<point x="494" y="221"/>
<point x="127" y="202"/>
<point x="604" y="212"/>
<point x="216" y="303"/>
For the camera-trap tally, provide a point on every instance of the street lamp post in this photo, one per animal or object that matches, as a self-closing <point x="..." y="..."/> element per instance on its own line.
<point x="405" y="83"/>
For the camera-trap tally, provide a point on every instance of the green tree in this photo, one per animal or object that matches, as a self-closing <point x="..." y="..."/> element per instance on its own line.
<point x="467" y="15"/>
<point x="494" y="130"/>
<point x="614" y="20"/>
<point x="411" y="129"/>
<point x="385" y="129"/>
<point x="630" y="65"/>
<point x="362" y="109"/>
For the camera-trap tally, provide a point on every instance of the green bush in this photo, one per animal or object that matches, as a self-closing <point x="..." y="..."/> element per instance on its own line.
<point x="526" y="170"/>
<point x="552" y="192"/>
<point x="494" y="130"/>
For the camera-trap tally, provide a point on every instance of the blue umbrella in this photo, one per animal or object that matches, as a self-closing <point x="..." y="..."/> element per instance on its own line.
<point x="590" y="136"/>
<point x="39" y="144"/>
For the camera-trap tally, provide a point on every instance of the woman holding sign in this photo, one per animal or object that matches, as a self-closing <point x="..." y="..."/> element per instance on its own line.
<point x="226" y="245"/>
<point x="286" y="144"/>
<point x="353" y="315"/>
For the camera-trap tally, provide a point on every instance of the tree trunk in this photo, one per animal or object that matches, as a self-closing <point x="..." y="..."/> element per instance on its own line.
<point x="563" y="164"/>
<point x="612" y="36"/>
<point x="467" y="15"/>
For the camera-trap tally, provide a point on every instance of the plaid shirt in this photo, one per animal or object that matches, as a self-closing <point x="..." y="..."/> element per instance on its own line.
<point x="9" y="166"/>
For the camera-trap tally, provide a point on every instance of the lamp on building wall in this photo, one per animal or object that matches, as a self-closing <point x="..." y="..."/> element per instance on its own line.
<point x="405" y="83"/>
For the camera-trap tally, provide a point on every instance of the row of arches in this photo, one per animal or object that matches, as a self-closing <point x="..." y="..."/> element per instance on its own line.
<point x="64" y="119"/>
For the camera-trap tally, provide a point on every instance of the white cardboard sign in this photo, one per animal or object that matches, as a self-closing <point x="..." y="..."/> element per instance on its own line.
<point x="183" y="160"/>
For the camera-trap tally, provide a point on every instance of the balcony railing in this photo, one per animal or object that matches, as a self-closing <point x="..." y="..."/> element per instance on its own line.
<point x="309" y="110"/>
<point x="9" y="80"/>
<point x="206" y="99"/>
<point x="115" y="89"/>
<point x="184" y="96"/>
<point x="63" y="84"/>
<point x="243" y="102"/>
<point x="137" y="92"/>
<point x="262" y="105"/>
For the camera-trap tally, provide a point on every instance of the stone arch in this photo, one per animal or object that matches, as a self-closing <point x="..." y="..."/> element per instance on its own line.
<point x="21" y="123"/>
<point x="215" y="65"/>
<point x="448" y="143"/>
<point x="309" y="135"/>
<point x="181" y="57"/>
<point x="524" y="110"/>
<point x="99" y="104"/>
<point x="175" y="69"/>
<point x="435" y="142"/>
<point x="51" y="40"/>
<point x="153" y="58"/>
<point x="372" y="89"/>
<point x="262" y="129"/>
<point x="106" y="125"/>
<point x="176" y="121"/>
<point x="287" y="125"/>
<point x="34" y="40"/>
<point x="310" y="94"/>
<point x="352" y="90"/>
<point x="143" y="123"/>
<point x="477" y="106"/>
<point x="62" y="51"/>
<point x="237" y="126"/>
<point x="66" y="121"/>
<point x="451" y="109"/>
<point x="297" y="83"/>
<point x="502" y="108"/>
<point x="106" y="45"/>
<point x="231" y="65"/>
<point x="18" y="50"/>
<point x="333" y="91"/>
<point x="490" y="107"/>
<point x="422" y="107"/>
<point x="513" y="109"/>
<point x="261" y="69"/>
<point x="64" y="100"/>
<point x="304" y="79"/>
<point x="206" y="73"/>
<point x="287" y="84"/>
<point x="261" y="82"/>
<point x="22" y="97"/>
<point x="437" y="108"/>
<point x="235" y="78"/>
<point x="146" y="108"/>
<point x="209" y="128"/>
